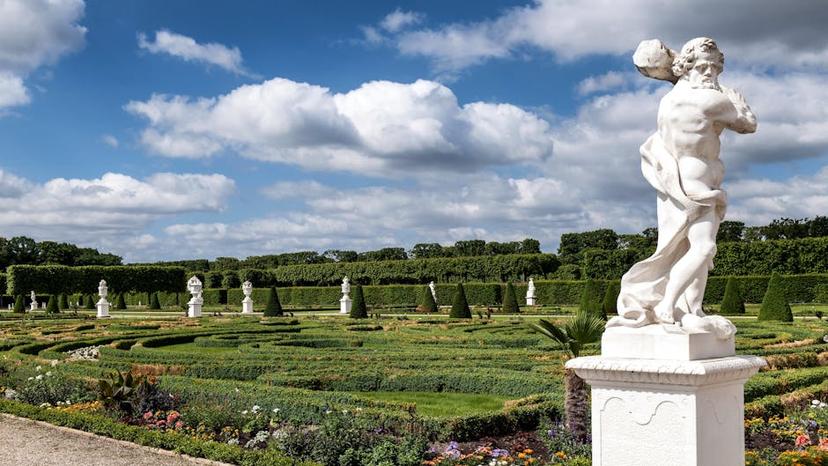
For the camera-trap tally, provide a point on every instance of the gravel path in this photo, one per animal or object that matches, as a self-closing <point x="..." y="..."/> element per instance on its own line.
<point x="24" y="442"/>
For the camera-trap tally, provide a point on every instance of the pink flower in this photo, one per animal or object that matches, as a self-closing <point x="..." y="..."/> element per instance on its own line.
<point x="148" y="415"/>
<point x="802" y="440"/>
<point x="179" y="425"/>
<point x="172" y="417"/>
<point x="161" y="423"/>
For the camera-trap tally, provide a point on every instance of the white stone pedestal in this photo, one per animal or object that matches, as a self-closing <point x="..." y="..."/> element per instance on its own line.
<point x="103" y="309"/>
<point x="530" y="300"/>
<point x="654" y="403"/>
<point x="194" y="309"/>
<point x="345" y="305"/>
<point x="247" y="305"/>
<point x="33" y="306"/>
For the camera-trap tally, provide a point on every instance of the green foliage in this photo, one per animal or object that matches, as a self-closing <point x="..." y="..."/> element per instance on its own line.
<point x="775" y="305"/>
<point x="574" y="244"/>
<point x="230" y="280"/>
<point x="61" y="279"/>
<point x="19" y="304"/>
<point x="120" y="304"/>
<point x="119" y="391"/>
<point x="63" y="302"/>
<point x="213" y="279"/>
<point x="510" y="302"/>
<point x="785" y="256"/>
<point x="358" y="308"/>
<point x="732" y="303"/>
<point x="460" y="306"/>
<point x="154" y="303"/>
<point x="567" y="272"/>
<point x="610" y="303"/>
<point x="592" y="299"/>
<point x="52" y="307"/>
<point x="89" y="303"/>
<point x="2" y="281"/>
<point x="428" y="303"/>
<point x="274" y="306"/>
<point x="611" y="264"/>
<point x="577" y="332"/>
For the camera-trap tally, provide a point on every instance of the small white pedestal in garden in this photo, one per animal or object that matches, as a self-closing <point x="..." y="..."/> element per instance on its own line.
<point x="345" y="302"/>
<point x="656" y="402"/>
<point x="102" y="305"/>
<point x="194" y="287"/>
<point x="247" y="302"/>
<point x="530" y="292"/>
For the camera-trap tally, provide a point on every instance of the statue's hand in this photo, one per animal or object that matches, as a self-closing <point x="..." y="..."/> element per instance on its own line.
<point x="745" y="121"/>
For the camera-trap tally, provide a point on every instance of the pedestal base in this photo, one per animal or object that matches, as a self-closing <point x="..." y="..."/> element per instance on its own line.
<point x="345" y="306"/>
<point x="247" y="306"/>
<point x="662" y="341"/>
<point x="194" y="310"/>
<point x="530" y="301"/>
<point x="103" y="310"/>
<point x="33" y="307"/>
<point x="667" y="412"/>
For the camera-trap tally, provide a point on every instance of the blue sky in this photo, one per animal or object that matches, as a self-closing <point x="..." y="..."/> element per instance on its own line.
<point x="177" y="129"/>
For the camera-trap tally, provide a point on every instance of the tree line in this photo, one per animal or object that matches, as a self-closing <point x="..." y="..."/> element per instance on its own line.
<point x="22" y="250"/>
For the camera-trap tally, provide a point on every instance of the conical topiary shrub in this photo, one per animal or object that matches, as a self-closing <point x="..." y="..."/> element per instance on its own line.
<point x="90" y="302"/>
<point x="775" y="305"/>
<point x="120" y="303"/>
<point x="19" y="304"/>
<point x="610" y="304"/>
<point x="63" y="302"/>
<point x="273" y="308"/>
<point x="592" y="298"/>
<point x="460" y="306"/>
<point x="52" y="307"/>
<point x="510" y="302"/>
<point x="429" y="305"/>
<point x="153" y="302"/>
<point x="732" y="302"/>
<point x="358" y="308"/>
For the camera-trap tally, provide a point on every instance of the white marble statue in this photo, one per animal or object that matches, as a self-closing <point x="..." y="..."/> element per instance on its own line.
<point x="102" y="305"/>
<point x="346" y="302"/>
<point x="247" y="302"/>
<point x="681" y="161"/>
<point x="34" y="301"/>
<point x="433" y="289"/>
<point x="194" y="286"/>
<point x="530" y="292"/>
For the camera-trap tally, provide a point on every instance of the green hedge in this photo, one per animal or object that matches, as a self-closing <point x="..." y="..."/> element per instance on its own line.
<point x="2" y="282"/>
<point x="516" y="267"/>
<point x="54" y="279"/>
<point x="797" y="288"/>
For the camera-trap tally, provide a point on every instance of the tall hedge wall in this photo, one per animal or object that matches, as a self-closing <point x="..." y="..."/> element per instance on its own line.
<point x="21" y="279"/>
<point x="3" y="282"/>
<point x="798" y="288"/>
<point x="517" y="267"/>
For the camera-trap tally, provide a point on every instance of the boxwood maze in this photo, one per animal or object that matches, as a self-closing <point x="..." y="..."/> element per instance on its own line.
<point x="307" y="369"/>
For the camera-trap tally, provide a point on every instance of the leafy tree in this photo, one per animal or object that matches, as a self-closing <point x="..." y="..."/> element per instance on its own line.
<point x="592" y="299"/>
<point x="19" y="304"/>
<point x="52" y="252"/>
<point x="730" y="231"/>
<point x="120" y="303"/>
<point x="225" y="263"/>
<point x="429" y="305"/>
<point x="230" y="280"/>
<point x="273" y="307"/>
<point x="786" y="228"/>
<point x="473" y="247"/>
<point x="153" y="301"/>
<point x="568" y="272"/>
<point x="384" y="254"/>
<point x="573" y="244"/>
<point x="529" y="246"/>
<point x="510" y="302"/>
<point x="732" y="302"/>
<point x="610" y="304"/>
<point x="338" y="255"/>
<point x="427" y="251"/>
<point x="576" y="333"/>
<point x="90" y="302"/>
<point x="358" y="308"/>
<point x="460" y="306"/>
<point x="23" y="250"/>
<point x="63" y="302"/>
<point x="52" y="307"/>
<point x="775" y="305"/>
<point x="213" y="279"/>
<point x="494" y="248"/>
<point x="818" y="227"/>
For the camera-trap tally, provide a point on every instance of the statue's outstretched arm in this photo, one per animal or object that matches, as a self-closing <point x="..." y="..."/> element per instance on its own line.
<point x="745" y="120"/>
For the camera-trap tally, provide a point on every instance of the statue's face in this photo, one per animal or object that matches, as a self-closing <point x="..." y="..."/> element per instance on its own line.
<point x="705" y="71"/>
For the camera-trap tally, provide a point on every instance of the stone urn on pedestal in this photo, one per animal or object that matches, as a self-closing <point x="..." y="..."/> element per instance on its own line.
<point x="194" y="287"/>
<point x="247" y="302"/>
<point x="102" y="305"/>
<point x="345" y="302"/>
<point x="668" y="388"/>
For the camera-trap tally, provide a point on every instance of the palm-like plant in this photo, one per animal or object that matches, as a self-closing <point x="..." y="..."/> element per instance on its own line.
<point x="579" y="331"/>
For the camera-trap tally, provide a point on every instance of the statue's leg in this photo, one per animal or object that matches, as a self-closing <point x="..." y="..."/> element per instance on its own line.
<point x="695" y="293"/>
<point x="693" y="266"/>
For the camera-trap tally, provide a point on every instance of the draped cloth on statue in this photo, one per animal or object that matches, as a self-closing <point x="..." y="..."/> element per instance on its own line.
<point x="643" y="286"/>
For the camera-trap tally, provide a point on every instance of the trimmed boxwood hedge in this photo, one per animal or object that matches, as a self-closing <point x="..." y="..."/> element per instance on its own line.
<point x="54" y="279"/>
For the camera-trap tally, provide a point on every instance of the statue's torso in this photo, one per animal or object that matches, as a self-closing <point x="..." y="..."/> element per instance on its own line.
<point x="690" y="122"/>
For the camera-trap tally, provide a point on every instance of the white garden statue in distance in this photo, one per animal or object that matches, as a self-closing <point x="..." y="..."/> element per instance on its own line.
<point x="102" y="305"/>
<point x="34" y="301"/>
<point x="667" y="388"/>
<point x="247" y="302"/>
<point x="433" y="289"/>
<point x="530" y="293"/>
<point x="195" y="303"/>
<point x="346" y="302"/>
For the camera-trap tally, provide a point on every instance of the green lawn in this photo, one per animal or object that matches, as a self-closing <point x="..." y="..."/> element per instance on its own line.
<point x="442" y="404"/>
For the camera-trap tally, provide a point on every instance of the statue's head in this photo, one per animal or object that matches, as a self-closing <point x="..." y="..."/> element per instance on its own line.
<point x="700" y="62"/>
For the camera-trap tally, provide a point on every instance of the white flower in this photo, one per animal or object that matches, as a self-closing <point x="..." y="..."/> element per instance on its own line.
<point x="328" y="411"/>
<point x="244" y="412"/>
<point x="344" y="411"/>
<point x="30" y="378"/>
<point x="45" y="405"/>
<point x="39" y="377"/>
<point x="815" y="402"/>
<point x="255" y="409"/>
<point x="276" y="410"/>
<point x="49" y="374"/>
<point x="54" y="362"/>
<point x="38" y="368"/>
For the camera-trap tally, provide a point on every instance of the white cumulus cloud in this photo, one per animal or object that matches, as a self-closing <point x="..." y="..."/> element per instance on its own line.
<point x="187" y="49"/>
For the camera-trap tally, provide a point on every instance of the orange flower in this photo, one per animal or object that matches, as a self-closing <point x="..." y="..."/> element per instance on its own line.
<point x="528" y="451"/>
<point x="521" y="455"/>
